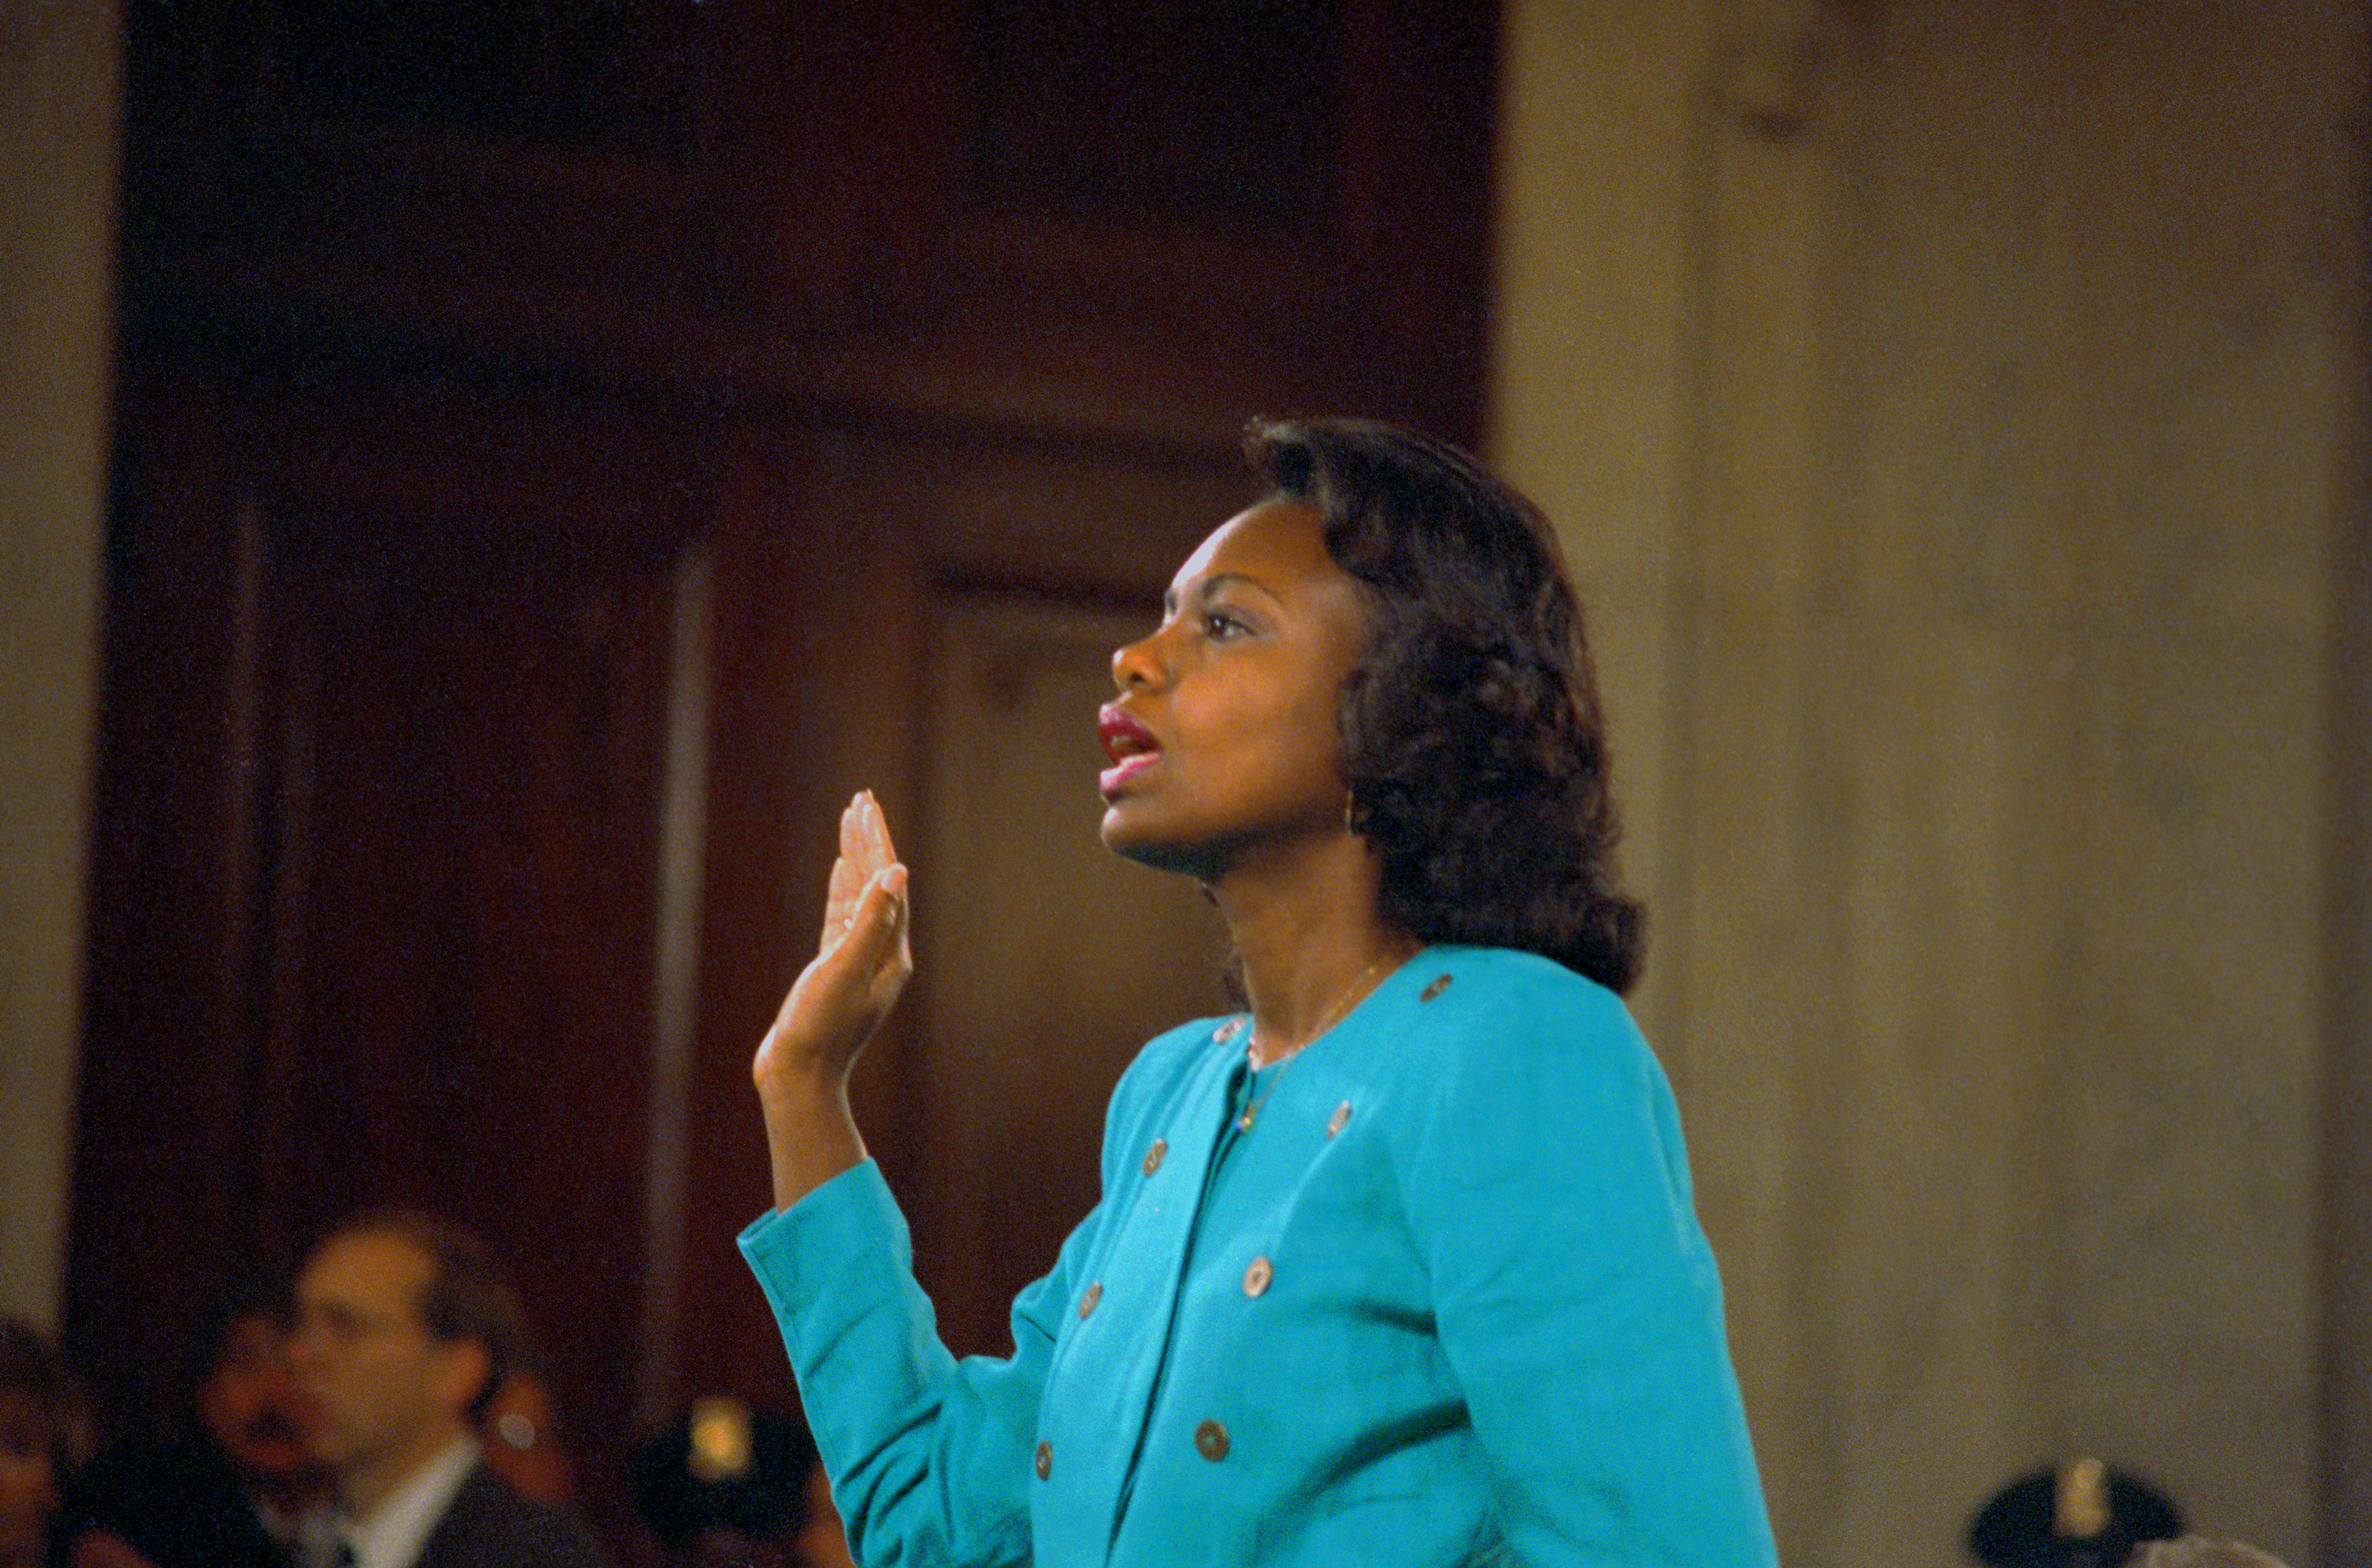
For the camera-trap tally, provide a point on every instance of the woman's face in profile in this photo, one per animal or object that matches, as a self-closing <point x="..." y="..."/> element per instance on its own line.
<point x="1222" y="739"/>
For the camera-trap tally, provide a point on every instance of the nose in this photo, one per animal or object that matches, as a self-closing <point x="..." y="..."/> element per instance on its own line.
<point x="1137" y="667"/>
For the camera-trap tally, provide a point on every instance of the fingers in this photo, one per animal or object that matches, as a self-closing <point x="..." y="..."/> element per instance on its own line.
<point x="848" y="881"/>
<point x="866" y="853"/>
<point x="864" y="834"/>
<point x="877" y="830"/>
<point x="853" y="844"/>
<point x="876" y="931"/>
<point x="839" y="901"/>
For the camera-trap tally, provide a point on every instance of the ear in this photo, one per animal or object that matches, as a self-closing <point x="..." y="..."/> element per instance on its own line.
<point x="463" y="1368"/>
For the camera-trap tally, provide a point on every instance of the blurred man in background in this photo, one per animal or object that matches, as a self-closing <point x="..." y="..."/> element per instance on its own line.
<point x="403" y="1332"/>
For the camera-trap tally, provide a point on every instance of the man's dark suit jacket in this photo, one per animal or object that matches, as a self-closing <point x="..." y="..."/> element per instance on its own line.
<point x="180" y="1506"/>
<point x="489" y="1526"/>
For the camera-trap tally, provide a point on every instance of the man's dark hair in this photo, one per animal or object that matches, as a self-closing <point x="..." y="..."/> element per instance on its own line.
<point x="466" y="1298"/>
<point x="1472" y="737"/>
<point x="262" y="1294"/>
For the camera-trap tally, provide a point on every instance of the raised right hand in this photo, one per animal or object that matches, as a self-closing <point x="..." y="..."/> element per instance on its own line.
<point x="862" y="961"/>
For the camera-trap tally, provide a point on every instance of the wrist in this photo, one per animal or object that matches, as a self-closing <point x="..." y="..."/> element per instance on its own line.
<point x="797" y="1093"/>
<point x="811" y="1135"/>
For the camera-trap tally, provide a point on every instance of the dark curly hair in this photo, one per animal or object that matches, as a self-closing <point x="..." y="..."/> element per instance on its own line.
<point x="1470" y="733"/>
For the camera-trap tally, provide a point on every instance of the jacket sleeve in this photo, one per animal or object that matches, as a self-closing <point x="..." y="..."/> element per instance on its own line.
<point x="929" y="1456"/>
<point x="1578" y="1304"/>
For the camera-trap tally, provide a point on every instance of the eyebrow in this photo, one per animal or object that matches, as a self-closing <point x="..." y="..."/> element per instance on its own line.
<point x="1209" y="586"/>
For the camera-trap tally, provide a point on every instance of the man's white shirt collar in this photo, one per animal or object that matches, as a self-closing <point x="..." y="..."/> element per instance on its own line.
<point x="392" y="1535"/>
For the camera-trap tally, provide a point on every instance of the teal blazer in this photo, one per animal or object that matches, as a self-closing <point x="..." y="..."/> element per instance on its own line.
<point x="1446" y="1301"/>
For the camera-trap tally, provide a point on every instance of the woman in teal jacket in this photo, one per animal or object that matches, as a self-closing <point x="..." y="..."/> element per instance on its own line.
<point x="1398" y="1266"/>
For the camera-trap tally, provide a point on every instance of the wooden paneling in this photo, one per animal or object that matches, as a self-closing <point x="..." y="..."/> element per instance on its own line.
<point x="1176" y="109"/>
<point x="161" y="1158"/>
<point x="1247" y="205"/>
<point x="618" y="76"/>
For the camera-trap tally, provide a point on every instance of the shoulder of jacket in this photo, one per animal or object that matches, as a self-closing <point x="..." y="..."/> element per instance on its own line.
<point x="1487" y="1026"/>
<point x="1496" y="987"/>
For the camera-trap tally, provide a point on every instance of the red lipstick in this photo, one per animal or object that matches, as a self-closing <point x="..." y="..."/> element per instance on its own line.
<point x="1129" y="744"/>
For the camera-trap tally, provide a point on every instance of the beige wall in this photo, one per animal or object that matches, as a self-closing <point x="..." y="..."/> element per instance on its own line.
<point x="59" y="67"/>
<point x="1950" y="421"/>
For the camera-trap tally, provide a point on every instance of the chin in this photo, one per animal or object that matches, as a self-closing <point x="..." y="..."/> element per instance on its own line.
<point x="1162" y="851"/>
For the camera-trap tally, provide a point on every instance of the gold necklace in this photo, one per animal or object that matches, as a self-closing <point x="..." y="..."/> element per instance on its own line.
<point x="1351" y="996"/>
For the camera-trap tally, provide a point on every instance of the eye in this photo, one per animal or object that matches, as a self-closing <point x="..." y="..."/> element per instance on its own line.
<point x="1220" y="626"/>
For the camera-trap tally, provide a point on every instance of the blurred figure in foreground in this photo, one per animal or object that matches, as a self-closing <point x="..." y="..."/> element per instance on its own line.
<point x="241" y="1491"/>
<point x="43" y="1432"/>
<point x="160" y="1505"/>
<point x="404" y="1332"/>
<point x="730" y="1485"/>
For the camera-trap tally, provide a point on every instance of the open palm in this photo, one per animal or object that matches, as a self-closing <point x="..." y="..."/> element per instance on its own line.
<point x="863" y="960"/>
